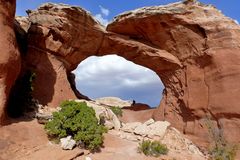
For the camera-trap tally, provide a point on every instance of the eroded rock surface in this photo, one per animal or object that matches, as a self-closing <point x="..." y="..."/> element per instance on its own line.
<point x="192" y="47"/>
<point x="61" y="36"/>
<point x="10" y="56"/>
<point x="207" y="45"/>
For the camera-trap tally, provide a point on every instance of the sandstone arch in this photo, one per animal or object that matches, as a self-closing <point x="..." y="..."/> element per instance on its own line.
<point x="192" y="47"/>
<point x="65" y="41"/>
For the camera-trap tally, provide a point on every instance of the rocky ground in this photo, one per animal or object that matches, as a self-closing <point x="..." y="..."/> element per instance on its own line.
<point x="25" y="139"/>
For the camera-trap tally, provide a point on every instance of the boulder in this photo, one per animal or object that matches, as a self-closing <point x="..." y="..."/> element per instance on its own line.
<point x="67" y="143"/>
<point x="158" y="128"/>
<point x="149" y="129"/>
<point x="88" y="158"/>
<point x="130" y="127"/>
<point x="176" y="141"/>
<point x="149" y="122"/>
<point x="142" y="130"/>
<point x="43" y="118"/>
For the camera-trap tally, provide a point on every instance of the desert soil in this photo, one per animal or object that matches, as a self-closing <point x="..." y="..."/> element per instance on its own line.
<point x="25" y="139"/>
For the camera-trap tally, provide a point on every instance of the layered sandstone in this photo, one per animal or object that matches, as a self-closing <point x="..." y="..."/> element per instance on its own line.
<point x="10" y="57"/>
<point x="193" y="48"/>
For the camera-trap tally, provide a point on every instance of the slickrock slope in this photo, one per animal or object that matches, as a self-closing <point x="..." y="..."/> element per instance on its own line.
<point x="193" y="48"/>
<point x="10" y="57"/>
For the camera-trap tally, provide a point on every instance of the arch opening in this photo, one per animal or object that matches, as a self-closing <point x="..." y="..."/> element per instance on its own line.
<point x="114" y="76"/>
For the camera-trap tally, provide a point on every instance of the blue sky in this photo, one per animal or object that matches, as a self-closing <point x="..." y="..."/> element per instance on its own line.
<point x="229" y="7"/>
<point x="99" y="77"/>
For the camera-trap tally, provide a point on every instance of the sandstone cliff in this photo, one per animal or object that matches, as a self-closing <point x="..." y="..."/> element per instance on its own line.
<point x="10" y="56"/>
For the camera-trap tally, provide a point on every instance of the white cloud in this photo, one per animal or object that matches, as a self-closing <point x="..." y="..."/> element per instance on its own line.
<point x="102" y="20"/>
<point x="115" y="76"/>
<point x="101" y="16"/>
<point x="104" y="11"/>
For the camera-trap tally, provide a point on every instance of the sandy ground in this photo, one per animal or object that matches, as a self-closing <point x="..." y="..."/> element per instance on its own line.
<point x="25" y="139"/>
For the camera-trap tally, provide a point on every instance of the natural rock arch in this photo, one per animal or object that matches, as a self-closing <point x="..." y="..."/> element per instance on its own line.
<point x="64" y="43"/>
<point x="192" y="47"/>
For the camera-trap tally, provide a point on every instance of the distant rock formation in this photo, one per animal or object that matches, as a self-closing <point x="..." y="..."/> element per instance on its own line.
<point x="114" y="101"/>
<point x="193" y="48"/>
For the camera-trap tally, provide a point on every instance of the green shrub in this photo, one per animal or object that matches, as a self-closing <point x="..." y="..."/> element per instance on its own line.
<point x="154" y="148"/>
<point x="117" y="111"/>
<point x="220" y="149"/>
<point x="79" y="121"/>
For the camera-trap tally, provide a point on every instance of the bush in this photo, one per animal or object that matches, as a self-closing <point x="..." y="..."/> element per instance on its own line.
<point x="224" y="152"/>
<point x="154" y="148"/>
<point x="220" y="149"/>
<point x="117" y="111"/>
<point x="79" y="121"/>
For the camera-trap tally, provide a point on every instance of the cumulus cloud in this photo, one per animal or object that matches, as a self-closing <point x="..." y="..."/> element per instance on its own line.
<point x="115" y="76"/>
<point x="104" y="11"/>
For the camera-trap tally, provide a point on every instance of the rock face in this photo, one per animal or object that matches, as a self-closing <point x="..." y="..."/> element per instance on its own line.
<point x="10" y="57"/>
<point x="207" y="45"/>
<point x="193" y="48"/>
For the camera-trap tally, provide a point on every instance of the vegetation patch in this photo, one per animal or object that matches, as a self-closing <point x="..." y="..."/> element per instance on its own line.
<point x="79" y="121"/>
<point x="117" y="111"/>
<point x="220" y="149"/>
<point x="152" y="148"/>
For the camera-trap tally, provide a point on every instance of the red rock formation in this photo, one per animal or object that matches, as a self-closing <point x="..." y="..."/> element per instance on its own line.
<point x="10" y="58"/>
<point x="192" y="47"/>
<point x="207" y="45"/>
<point x="59" y="38"/>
